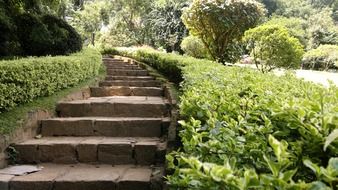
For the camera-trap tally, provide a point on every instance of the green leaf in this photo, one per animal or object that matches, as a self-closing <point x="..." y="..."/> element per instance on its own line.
<point x="318" y="185"/>
<point x="333" y="167"/>
<point x="274" y="167"/>
<point x="312" y="166"/>
<point x="332" y="137"/>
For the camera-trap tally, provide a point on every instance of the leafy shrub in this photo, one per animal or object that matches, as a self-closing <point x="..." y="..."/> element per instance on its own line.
<point x="221" y="24"/>
<point x="65" y="39"/>
<point x="25" y="79"/>
<point x="325" y="57"/>
<point x="109" y="51"/>
<point x="272" y="47"/>
<point x="296" y="27"/>
<point x="242" y="129"/>
<point x="194" y="47"/>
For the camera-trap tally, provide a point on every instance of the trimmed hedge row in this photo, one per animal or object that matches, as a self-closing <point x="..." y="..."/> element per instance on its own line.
<point x="242" y="129"/>
<point x="23" y="80"/>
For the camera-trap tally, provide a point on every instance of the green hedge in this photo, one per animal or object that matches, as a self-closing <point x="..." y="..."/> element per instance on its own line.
<point x="242" y="129"/>
<point x="25" y="79"/>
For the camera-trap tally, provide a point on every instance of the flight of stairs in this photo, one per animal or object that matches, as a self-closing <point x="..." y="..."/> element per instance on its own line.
<point x="115" y="140"/>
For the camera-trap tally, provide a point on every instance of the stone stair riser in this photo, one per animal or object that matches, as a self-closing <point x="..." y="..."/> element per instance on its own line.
<point x="107" y="109"/>
<point x="126" y="91"/>
<point x="116" y="153"/>
<point x="128" y="72"/>
<point x="91" y="127"/>
<point x="131" y="83"/>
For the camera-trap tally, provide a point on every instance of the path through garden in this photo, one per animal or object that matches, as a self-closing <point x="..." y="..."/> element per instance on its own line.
<point x="116" y="139"/>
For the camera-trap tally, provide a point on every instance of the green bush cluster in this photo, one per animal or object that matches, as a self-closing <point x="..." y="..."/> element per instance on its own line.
<point x="23" y="80"/>
<point x="324" y="57"/>
<point x="193" y="46"/>
<point x="242" y="129"/>
<point x="272" y="47"/>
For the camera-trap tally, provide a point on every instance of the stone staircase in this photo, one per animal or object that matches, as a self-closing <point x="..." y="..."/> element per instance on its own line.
<point x="116" y="139"/>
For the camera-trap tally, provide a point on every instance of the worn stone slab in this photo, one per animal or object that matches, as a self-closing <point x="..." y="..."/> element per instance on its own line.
<point x="4" y="181"/>
<point x="62" y="127"/>
<point x="115" y="106"/>
<point x="89" y="177"/>
<point x="82" y="177"/>
<point x="126" y="91"/>
<point x="123" y="67"/>
<point x="125" y="72"/>
<point x="41" y="180"/>
<point x="135" y="178"/>
<point x="108" y="150"/>
<point x="130" y="78"/>
<point x="145" y="153"/>
<point x="115" y="152"/>
<point x="87" y="150"/>
<point x="138" y="83"/>
<point x="101" y="126"/>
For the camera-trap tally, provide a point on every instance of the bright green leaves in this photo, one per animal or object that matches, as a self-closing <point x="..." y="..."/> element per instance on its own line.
<point x="280" y="149"/>
<point x="220" y="24"/>
<point x="244" y="130"/>
<point x="332" y="137"/>
<point x="272" y="47"/>
<point x="25" y="79"/>
<point x="328" y="174"/>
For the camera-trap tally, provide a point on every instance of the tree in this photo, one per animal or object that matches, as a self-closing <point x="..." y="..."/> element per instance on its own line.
<point x="221" y="24"/>
<point x="272" y="47"/>
<point x="166" y="25"/>
<point x="322" y="29"/>
<point x="89" y="19"/>
<point x="270" y="5"/>
<point x="297" y="27"/>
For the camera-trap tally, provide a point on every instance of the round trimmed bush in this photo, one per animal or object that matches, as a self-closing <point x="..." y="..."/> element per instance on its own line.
<point x="194" y="47"/>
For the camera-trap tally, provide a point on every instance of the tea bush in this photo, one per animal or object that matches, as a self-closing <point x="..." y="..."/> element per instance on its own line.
<point x="23" y="80"/>
<point x="243" y="129"/>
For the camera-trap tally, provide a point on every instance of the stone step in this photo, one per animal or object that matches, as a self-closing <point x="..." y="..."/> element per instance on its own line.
<point x="86" y="177"/>
<point x="129" y="78"/>
<point x="119" y="63"/>
<point x="110" y="127"/>
<point x="115" y="106"/>
<point x="123" y="72"/>
<point x="137" y="68"/>
<point x="103" y="150"/>
<point x="134" y="83"/>
<point x="125" y="91"/>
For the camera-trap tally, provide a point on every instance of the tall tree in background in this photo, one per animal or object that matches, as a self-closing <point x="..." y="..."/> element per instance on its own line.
<point x="221" y="24"/>
<point x="166" y="25"/>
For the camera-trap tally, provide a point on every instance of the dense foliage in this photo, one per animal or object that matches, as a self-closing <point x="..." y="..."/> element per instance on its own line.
<point x="194" y="47"/>
<point x="221" y="24"/>
<point x="166" y="25"/>
<point x="23" y="80"/>
<point x="272" y="47"/>
<point x="325" y="57"/>
<point x="28" y="30"/>
<point x="246" y="130"/>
